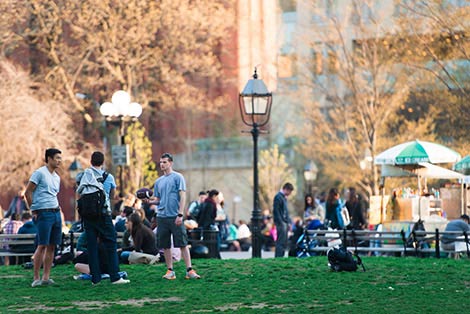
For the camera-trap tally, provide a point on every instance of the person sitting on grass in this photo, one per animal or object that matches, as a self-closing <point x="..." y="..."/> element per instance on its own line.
<point x="144" y="248"/>
<point x="81" y="261"/>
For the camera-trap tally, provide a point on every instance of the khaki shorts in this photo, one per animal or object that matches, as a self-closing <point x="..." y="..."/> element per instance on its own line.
<point x="166" y="227"/>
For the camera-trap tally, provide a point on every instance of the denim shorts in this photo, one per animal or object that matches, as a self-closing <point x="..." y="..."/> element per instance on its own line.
<point x="49" y="226"/>
<point x="166" y="228"/>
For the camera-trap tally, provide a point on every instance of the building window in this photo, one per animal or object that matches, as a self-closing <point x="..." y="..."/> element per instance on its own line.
<point x="288" y="5"/>
<point x="287" y="65"/>
<point x="317" y="62"/>
<point x="333" y="63"/>
<point x="331" y="6"/>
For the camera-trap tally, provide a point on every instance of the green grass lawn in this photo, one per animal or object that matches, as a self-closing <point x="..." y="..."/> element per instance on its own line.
<point x="289" y="285"/>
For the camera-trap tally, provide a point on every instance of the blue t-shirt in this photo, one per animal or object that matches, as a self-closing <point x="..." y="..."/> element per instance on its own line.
<point x="108" y="185"/>
<point x="47" y="188"/>
<point x="167" y="189"/>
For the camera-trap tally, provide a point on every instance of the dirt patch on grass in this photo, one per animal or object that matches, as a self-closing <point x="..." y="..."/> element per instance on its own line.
<point x="11" y="276"/>
<point x="95" y="305"/>
<point x="40" y="307"/>
<point x="255" y="306"/>
<point x="90" y="305"/>
<point x="405" y="283"/>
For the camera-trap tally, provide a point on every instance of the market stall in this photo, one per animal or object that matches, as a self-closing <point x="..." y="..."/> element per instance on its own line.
<point x="413" y="205"/>
<point x="416" y="159"/>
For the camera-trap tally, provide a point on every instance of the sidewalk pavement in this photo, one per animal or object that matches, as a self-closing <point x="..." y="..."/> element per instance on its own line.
<point x="244" y="254"/>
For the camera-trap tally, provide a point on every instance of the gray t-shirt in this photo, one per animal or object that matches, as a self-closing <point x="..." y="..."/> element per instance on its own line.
<point x="47" y="188"/>
<point x="454" y="225"/>
<point x="167" y="189"/>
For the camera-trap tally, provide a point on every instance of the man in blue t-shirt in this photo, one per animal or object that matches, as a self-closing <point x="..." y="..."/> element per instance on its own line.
<point x="100" y="230"/>
<point x="170" y="196"/>
<point x="41" y="197"/>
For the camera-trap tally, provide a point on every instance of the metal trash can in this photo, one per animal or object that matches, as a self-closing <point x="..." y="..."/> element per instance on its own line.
<point x="207" y="238"/>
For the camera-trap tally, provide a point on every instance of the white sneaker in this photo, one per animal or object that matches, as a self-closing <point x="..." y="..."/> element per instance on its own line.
<point x="36" y="283"/>
<point x="121" y="281"/>
<point x="47" y="282"/>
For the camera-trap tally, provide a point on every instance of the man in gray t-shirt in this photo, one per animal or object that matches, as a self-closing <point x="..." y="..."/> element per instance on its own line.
<point x="448" y="240"/>
<point x="41" y="197"/>
<point x="170" y="198"/>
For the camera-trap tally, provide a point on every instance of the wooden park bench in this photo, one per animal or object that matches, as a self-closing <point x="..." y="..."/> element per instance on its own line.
<point x="10" y="244"/>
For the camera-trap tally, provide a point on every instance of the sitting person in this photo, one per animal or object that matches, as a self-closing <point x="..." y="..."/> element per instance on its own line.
<point x="144" y="247"/>
<point x="244" y="235"/>
<point x="28" y="228"/>
<point x="208" y="211"/>
<point x="144" y="219"/>
<point x="120" y="224"/>
<point x="232" y="239"/>
<point x="269" y="233"/>
<point x="81" y="261"/>
<point x="128" y="201"/>
<point x="313" y="210"/>
<point x="11" y="227"/>
<point x="449" y="240"/>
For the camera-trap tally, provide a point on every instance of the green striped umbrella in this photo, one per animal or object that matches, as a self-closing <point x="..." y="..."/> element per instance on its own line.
<point x="463" y="164"/>
<point x="414" y="152"/>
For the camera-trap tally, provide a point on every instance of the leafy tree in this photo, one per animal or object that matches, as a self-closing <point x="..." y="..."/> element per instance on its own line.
<point x="31" y="123"/>
<point x="382" y="74"/>
<point x="354" y="70"/>
<point x="142" y="171"/>
<point x="167" y="54"/>
<point x="273" y="172"/>
<point x="160" y="51"/>
<point x="445" y="64"/>
<point x="442" y="37"/>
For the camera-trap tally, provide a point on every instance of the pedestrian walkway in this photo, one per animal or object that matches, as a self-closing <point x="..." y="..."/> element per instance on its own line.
<point x="244" y="255"/>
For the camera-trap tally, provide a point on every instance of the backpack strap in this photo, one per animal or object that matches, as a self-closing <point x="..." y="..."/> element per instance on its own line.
<point x="105" y="176"/>
<point x="359" y="261"/>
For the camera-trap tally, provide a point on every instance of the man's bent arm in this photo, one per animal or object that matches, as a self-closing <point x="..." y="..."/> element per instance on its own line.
<point x="28" y="194"/>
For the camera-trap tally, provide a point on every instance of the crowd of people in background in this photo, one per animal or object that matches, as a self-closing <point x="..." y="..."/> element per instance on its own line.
<point x="207" y="212"/>
<point x="156" y="228"/>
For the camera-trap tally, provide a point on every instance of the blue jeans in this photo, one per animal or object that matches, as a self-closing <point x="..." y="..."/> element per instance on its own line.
<point x="281" y="242"/>
<point x="49" y="225"/>
<point x="103" y="230"/>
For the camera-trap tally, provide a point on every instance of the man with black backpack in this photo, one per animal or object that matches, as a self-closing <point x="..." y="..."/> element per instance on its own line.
<point x="96" y="216"/>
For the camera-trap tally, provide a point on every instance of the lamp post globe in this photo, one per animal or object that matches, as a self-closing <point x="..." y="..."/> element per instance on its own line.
<point x="106" y="109"/>
<point x="121" y="98"/>
<point x="135" y="110"/>
<point x="310" y="174"/>
<point x="121" y="111"/>
<point x="255" y="108"/>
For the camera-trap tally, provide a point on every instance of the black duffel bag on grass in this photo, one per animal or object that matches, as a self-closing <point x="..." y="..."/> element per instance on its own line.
<point x="340" y="259"/>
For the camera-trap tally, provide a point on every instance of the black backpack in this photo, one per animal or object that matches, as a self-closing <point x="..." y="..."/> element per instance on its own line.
<point x="340" y="259"/>
<point x="93" y="205"/>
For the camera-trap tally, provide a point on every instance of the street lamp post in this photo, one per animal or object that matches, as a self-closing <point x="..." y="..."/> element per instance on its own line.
<point x="310" y="174"/>
<point x="255" y="107"/>
<point x="121" y="111"/>
<point x="236" y="200"/>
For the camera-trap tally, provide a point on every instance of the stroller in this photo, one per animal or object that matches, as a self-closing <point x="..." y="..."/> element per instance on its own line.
<point x="306" y="243"/>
